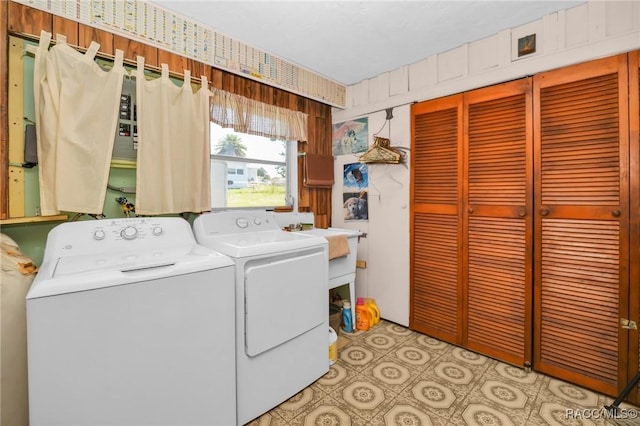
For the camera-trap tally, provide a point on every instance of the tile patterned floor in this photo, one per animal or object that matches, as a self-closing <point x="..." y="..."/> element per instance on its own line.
<point x="390" y="375"/>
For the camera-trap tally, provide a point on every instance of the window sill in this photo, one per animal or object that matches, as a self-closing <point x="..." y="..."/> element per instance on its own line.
<point x="34" y="219"/>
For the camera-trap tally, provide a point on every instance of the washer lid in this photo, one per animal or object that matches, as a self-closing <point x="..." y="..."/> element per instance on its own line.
<point x="124" y="262"/>
<point x="81" y="273"/>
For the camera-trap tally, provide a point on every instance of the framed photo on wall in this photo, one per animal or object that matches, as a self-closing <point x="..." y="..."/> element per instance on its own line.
<point x="350" y="137"/>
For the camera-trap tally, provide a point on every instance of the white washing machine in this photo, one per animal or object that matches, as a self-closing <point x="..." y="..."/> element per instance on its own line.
<point x="131" y="322"/>
<point x="281" y="305"/>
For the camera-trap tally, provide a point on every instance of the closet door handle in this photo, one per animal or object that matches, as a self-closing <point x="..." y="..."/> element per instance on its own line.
<point x="615" y="213"/>
<point x="470" y="209"/>
<point x="544" y="211"/>
<point x="522" y="212"/>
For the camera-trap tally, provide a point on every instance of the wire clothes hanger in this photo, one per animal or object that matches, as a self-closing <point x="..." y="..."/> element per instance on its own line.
<point x="381" y="152"/>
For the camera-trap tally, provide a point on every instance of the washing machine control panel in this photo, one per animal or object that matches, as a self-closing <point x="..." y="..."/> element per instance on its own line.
<point x="143" y="228"/>
<point x="127" y="231"/>
<point x="121" y="234"/>
<point x="237" y="222"/>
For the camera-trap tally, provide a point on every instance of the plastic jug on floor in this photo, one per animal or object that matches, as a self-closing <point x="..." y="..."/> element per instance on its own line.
<point x="374" y="311"/>
<point x="347" y="319"/>
<point x="333" y="346"/>
<point x="363" y="317"/>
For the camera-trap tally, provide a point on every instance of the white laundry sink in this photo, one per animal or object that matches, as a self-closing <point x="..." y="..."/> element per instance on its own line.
<point x="345" y="264"/>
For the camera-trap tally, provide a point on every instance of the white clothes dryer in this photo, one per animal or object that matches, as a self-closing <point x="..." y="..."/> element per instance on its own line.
<point x="281" y="305"/>
<point x="131" y="322"/>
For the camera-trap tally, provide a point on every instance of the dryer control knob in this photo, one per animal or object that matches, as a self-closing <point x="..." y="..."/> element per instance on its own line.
<point x="157" y="230"/>
<point x="129" y="233"/>
<point x="99" y="234"/>
<point x="242" y="222"/>
<point x="257" y="221"/>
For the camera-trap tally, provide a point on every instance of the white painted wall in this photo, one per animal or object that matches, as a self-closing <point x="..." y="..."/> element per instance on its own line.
<point x="592" y="30"/>
<point x="386" y="250"/>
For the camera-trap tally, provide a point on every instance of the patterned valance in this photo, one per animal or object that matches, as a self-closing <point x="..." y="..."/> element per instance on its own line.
<point x="256" y="118"/>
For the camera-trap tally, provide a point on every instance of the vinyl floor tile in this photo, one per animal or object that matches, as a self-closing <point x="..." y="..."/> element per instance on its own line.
<point x="393" y="376"/>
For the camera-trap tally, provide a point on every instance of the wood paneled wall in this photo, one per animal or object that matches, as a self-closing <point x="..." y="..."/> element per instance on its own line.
<point x="4" y="108"/>
<point x="27" y="22"/>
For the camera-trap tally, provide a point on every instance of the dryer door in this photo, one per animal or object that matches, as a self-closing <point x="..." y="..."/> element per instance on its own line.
<point x="284" y="298"/>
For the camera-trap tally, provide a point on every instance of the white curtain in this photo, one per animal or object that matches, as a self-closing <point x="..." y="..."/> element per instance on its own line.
<point x="256" y="118"/>
<point x="76" y="115"/>
<point x="174" y="169"/>
<point x="46" y="112"/>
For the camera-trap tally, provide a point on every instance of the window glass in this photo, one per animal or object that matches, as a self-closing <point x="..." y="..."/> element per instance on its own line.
<point x="248" y="171"/>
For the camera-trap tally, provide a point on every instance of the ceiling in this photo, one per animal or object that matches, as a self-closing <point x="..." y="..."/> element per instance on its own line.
<point x="351" y="41"/>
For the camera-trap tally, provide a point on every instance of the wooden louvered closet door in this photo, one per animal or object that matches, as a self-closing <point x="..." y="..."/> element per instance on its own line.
<point x="435" y="218"/>
<point x="497" y="221"/>
<point x="581" y="223"/>
<point x="634" y="232"/>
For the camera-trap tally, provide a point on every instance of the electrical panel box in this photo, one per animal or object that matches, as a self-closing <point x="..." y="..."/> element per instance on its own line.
<point x="125" y="147"/>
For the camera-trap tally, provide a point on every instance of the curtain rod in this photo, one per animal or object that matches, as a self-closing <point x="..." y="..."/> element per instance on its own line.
<point x="111" y="57"/>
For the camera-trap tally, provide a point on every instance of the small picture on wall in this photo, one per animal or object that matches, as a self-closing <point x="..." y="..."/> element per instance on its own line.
<point x="355" y="182"/>
<point x="355" y="206"/>
<point x="527" y="45"/>
<point x="355" y="177"/>
<point x="350" y="137"/>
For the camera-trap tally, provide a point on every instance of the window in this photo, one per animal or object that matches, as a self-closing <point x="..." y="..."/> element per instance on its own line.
<point x="249" y="171"/>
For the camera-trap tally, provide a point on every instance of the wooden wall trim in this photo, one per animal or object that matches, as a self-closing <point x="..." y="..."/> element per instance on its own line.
<point x="4" y="107"/>
<point x="27" y="22"/>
